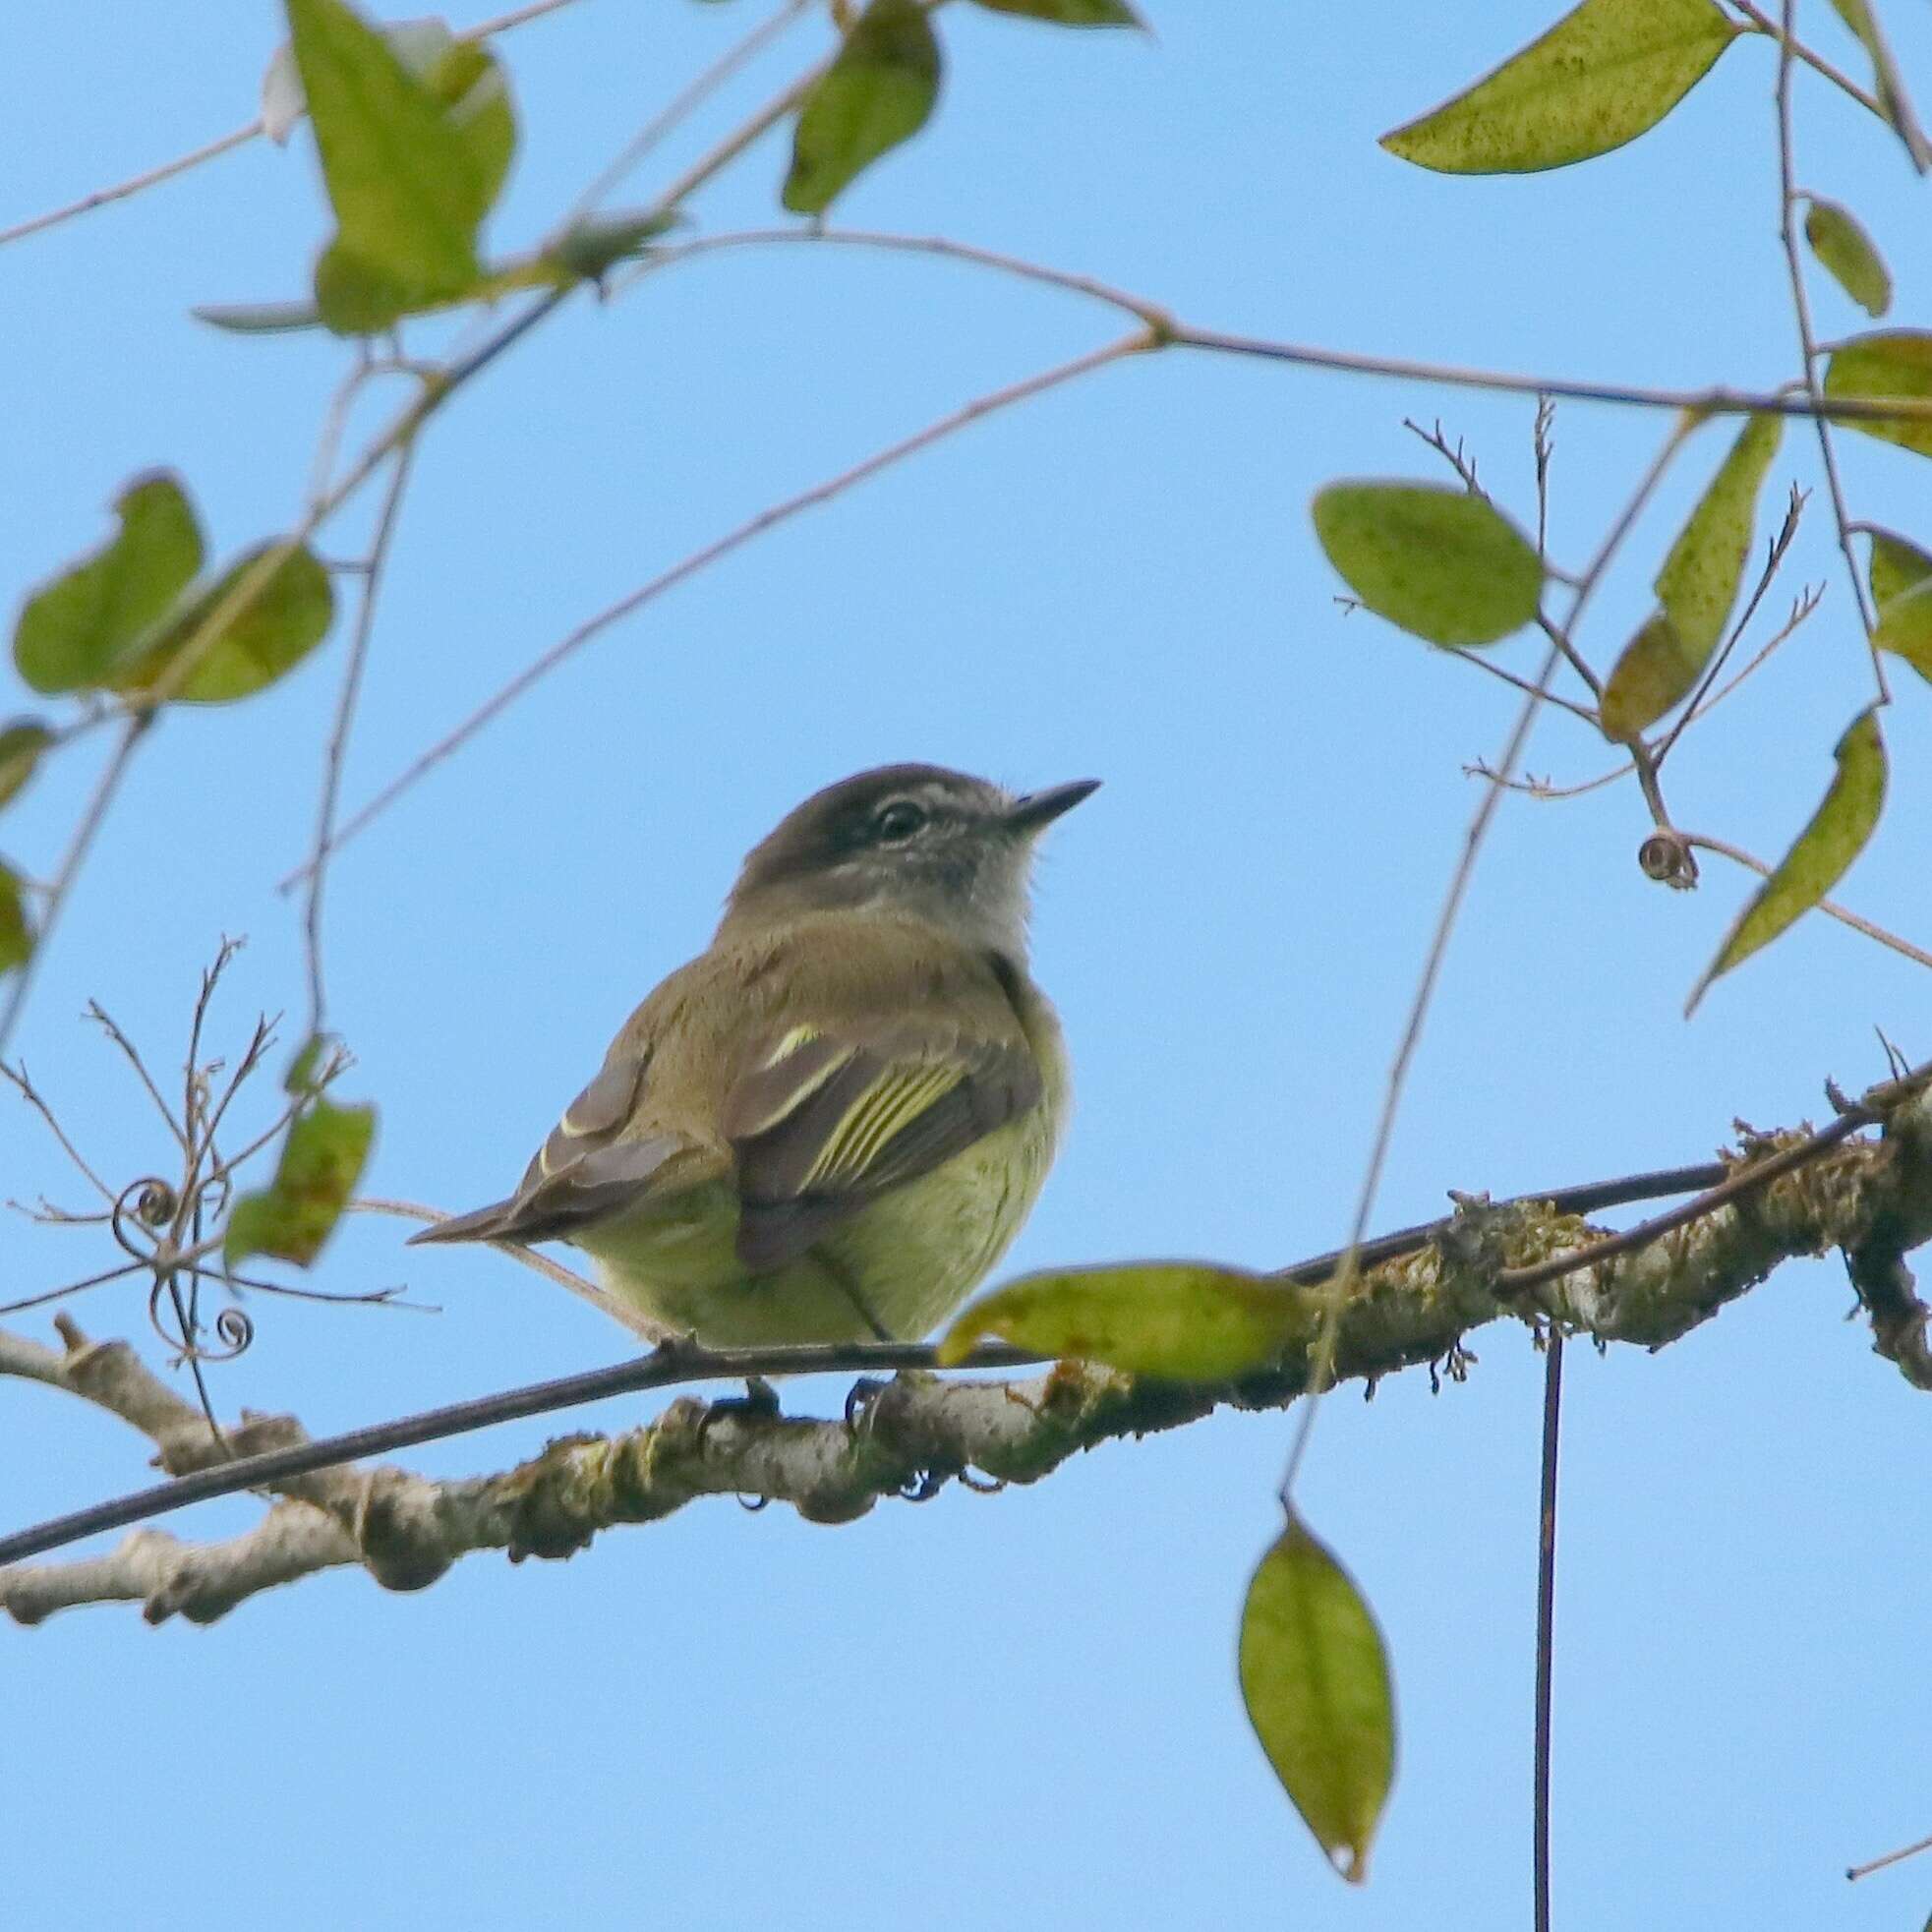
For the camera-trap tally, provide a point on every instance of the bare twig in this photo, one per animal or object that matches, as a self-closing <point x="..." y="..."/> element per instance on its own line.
<point x="780" y="512"/>
<point x="339" y="737"/>
<point x="1787" y="212"/>
<point x="1765" y="25"/>
<point x="78" y="847"/>
<point x="1546" y="1622"/>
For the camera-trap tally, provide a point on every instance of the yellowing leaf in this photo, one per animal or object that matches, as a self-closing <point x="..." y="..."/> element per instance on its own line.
<point x="20" y="744"/>
<point x="71" y="632"/>
<point x="1840" y="244"/>
<point x="1315" y="1678"/>
<point x="1070" y="13"/>
<point x="1438" y="560"/>
<point x="16" y="934"/>
<point x="1901" y="591"/>
<point x="321" y="1162"/>
<point x="877" y="94"/>
<point x="1655" y="670"/>
<point x="1904" y="627"/>
<point x="1698" y="583"/>
<point x="1819" y="856"/>
<point x="1887" y="365"/>
<point x="408" y="184"/>
<point x="1602" y="74"/>
<point x="287" y="615"/>
<point x="1181" y="1320"/>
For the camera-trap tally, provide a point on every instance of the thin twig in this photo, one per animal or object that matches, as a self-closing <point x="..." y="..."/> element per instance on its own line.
<point x="1890" y="1858"/>
<point x="102" y="1019"/>
<point x="339" y="738"/>
<point x="78" y="846"/>
<point x="1787" y="223"/>
<point x="32" y="1096"/>
<point x="682" y="105"/>
<point x="121" y="189"/>
<point x="1765" y="25"/>
<point x="698" y="559"/>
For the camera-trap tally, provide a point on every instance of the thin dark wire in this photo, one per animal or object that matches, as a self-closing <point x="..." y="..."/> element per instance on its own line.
<point x="1546" y="1613"/>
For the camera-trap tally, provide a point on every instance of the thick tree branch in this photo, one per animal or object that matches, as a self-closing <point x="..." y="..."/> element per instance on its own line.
<point x="1871" y="1199"/>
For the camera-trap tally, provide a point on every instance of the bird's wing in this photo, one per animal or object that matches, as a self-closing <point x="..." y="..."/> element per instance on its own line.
<point x="824" y="1119"/>
<point x="586" y="1171"/>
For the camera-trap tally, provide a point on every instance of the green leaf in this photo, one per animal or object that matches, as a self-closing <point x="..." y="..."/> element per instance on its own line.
<point x="1070" y="13"/>
<point x="1902" y="591"/>
<point x="285" y="619"/>
<point x="1840" y="244"/>
<point x="418" y="43"/>
<point x="1602" y="74"/>
<point x="1822" y="855"/>
<point x="320" y="1163"/>
<point x="1882" y="366"/>
<point x="469" y="81"/>
<point x="71" y="632"/>
<point x="1181" y="1320"/>
<point x="407" y="183"/>
<point x="877" y="94"/>
<point x="1654" y="671"/>
<point x="16" y="934"/>
<point x="1438" y="560"/>
<point x="1893" y="108"/>
<point x="585" y="251"/>
<point x="20" y="744"/>
<point x="1700" y="578"/>
<point x="1315" y="1678"/>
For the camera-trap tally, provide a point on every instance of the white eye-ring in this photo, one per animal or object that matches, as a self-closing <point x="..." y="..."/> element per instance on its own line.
<point x="899" y="821"/>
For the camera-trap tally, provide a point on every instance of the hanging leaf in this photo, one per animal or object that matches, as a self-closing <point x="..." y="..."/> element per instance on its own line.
<point x="16" y="934"/>
<point x="20" y="744"/>
<point x="877" y="94"/>
<point x="1901" y="593"/>
<point x="1840" y="244"/>
<point x="407" y="182"/>
<point x="1070" y="13"/>
<point x="1601" y="76"/>
<point x="418" y="43"/>
<point x="283" y="620"/>
<point x="1655" y="670"/>
<point x="1315" y="1678"/>
<point x="1179" y="1321"/>
<point x="1436" y="560"/>
<point x="1882" y="366"/>
<point x="71" y="632"/>
<point x="1697" y="586"/>
<point x="322" y="1161"/>
<point x="1822" y="855"/>
<point x="1894" y="107"/>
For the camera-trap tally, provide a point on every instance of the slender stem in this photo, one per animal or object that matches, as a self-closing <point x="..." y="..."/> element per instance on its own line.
<point x="768" y="518"/>
<point x="682" y="105"/>
<point x="1768" y="27"/>
<point x="1890" y="1858"/>
<point x="339" y="738"/>
<point x="78" y="847"/>
<point x="121" y="189"/>
<point x="1788" y="190"/>
<point x="1398" y="1073"/>
<point x="1546" y="1617"/>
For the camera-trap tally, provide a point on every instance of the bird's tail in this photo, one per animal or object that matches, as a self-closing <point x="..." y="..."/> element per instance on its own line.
<point x="483" y="1224"/>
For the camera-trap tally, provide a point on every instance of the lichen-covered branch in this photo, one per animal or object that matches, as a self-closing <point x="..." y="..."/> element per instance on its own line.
<point x="1871" y="1199"/>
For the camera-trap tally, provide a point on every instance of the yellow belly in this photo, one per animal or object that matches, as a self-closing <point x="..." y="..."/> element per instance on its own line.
<point x="910" y="1258"/>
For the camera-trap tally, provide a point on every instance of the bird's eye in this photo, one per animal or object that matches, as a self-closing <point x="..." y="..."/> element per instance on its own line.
<point x="897" y="821"/>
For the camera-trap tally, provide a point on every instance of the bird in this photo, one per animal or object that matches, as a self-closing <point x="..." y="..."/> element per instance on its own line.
<point x="830" y="1124"/>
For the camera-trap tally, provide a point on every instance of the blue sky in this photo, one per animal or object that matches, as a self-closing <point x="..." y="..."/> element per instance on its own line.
<point x="1013" y="1709"/>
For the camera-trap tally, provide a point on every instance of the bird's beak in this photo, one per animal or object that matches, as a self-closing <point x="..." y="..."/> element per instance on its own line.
<point x="1038" y="809"/>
